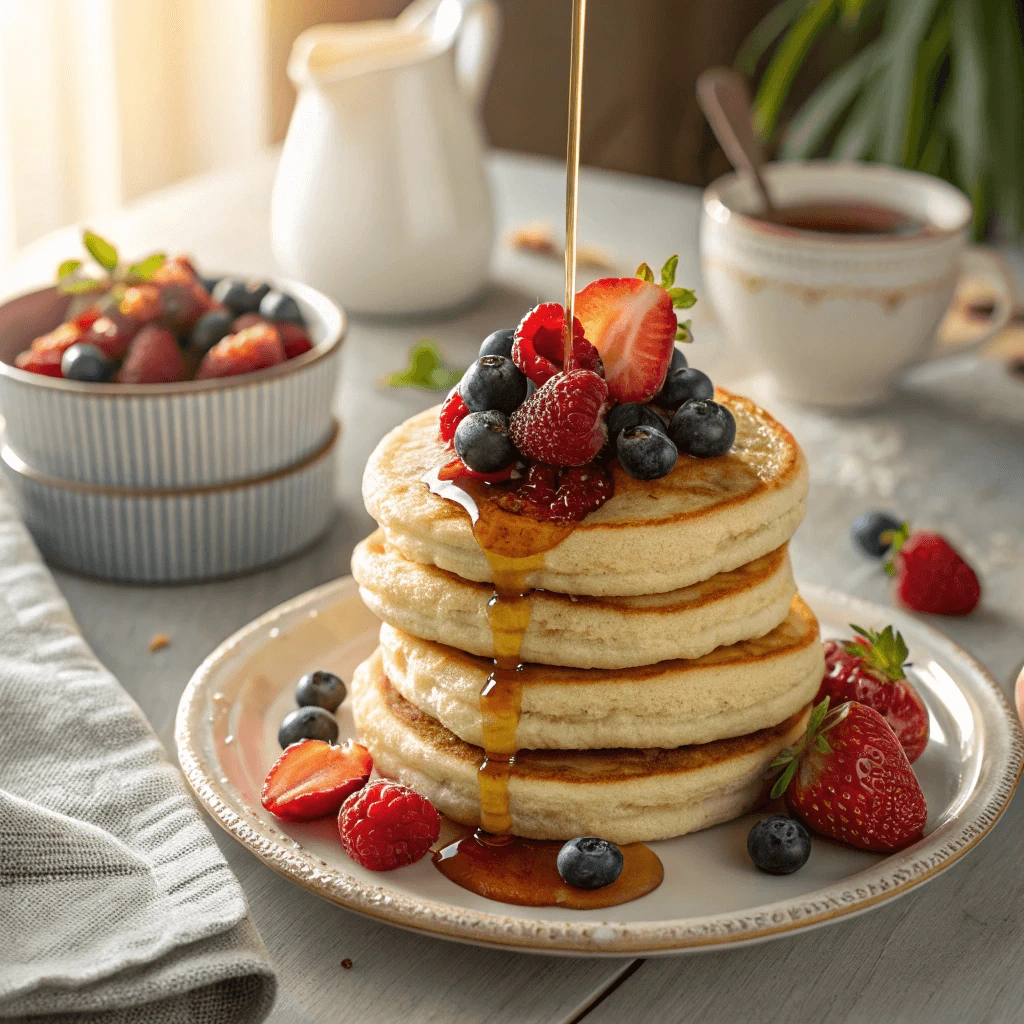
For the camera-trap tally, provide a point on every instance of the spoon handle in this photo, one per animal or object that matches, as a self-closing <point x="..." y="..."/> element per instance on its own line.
<point x="724" y="97"/>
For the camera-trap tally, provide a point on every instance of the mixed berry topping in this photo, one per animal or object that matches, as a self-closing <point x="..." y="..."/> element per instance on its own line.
<point x="519" y="417"/>
<point x="158" y="321"/>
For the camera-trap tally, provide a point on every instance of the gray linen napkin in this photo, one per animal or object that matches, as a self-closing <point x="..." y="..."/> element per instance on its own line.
<point x="115" y="903"/>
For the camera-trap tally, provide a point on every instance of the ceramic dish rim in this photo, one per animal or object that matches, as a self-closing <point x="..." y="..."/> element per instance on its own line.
<point x="336" y="333"/>
<point x="891" y="878"/>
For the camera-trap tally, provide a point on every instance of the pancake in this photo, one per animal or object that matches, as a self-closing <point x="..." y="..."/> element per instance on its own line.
<point x="578" y="632"/>
<point x="623" y="795"/>
<point x="705" y="517"/>
<point x="732" y="691"/>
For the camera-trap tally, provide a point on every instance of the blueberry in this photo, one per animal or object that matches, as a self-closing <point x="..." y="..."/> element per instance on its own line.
<point x="589" y="863"/>
<point x="779" y="845"/>
<point x="678" y="360"/>
<point x="320" y="689"/>
<point x="281" y="306"/>
<point x="310" y="723"/>
<point x="499" y="343"/>
<point x="703" y="429"/>
<point x="493" y="382"/>
<point x="872" y="532"/>
<point x="86" y="362"/>
<point x="684" y="385"/>
<point x="645" y="452"/>
<point x="240" y="296"/>
<point x="210" y="328"/>
<point x="482" y="441"/>
<point x="622" y="417"/>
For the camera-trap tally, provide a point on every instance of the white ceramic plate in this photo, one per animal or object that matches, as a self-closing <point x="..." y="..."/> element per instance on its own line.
<point x="712" y="895"/>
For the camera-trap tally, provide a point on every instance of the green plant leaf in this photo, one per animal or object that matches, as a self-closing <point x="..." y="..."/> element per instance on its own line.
<point x="645" y="273"/>
<point x="683" y="332"/>
<point x="786" y="61"/>
<point x="426" y="370"/>
<point x="783" y="781"/>
<point x="146" y="268"/>
<point x="810" y="126"/>
<point x="668" y="272"/>
<point x="682" y="298"/>
<point x="100" y="250"/>
<point x="67" y="268"/>
<point x="764" y="33"/>
<point x="931" y="56"/>
<point x="856" y="139"/>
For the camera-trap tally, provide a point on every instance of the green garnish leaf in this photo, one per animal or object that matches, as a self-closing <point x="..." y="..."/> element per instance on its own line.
<point x="67" y="268"/>
<point x="82" y="285"/>
<point x="100" y="250"/>
<point x="146" y="268"/>
<point x="682" y="298"/>
<point x="783" y="781"/>
<point x="899" y="538"/>
<point x="886" y="651"/>
<point x="426" y="370"/>
<point x="645" y="273"/>
<point x="668" y="272"/>
<point x="683" y="332"/>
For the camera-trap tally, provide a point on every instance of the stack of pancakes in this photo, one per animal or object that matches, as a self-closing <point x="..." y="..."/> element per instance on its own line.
<point x="667" y="660"/>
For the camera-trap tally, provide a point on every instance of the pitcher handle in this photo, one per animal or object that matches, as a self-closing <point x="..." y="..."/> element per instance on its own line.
<point x="476" y="49"/>
<point x="987" y="264"/>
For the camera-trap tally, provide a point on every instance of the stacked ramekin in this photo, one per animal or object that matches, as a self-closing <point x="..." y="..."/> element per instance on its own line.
<point x="161" y="483"/>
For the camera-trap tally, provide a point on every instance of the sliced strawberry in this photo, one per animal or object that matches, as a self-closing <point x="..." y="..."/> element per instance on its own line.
<point x="141" y="302"/>
<point x="153" y="358"/>
<point x="248" y="320"/>
<point x="44" y="354"/>
<point x="312" y="778"/>
<point x="562" y="422"/>
<point x="457" y="470"/>
<point x="253" y="349"/>
<point x="539" y="350"/>
<point x="112" y="333"/>
<point x="87" y="318"/>
<point x="632" y="324"/>
<point x="453" y="412"/>
<point x="294" y="338"/>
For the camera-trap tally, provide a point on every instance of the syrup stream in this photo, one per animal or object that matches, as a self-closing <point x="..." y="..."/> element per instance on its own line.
<point x="572" y="172"/>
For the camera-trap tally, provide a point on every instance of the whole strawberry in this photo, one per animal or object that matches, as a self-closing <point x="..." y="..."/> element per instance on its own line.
<point x="563" y="421"/>
<point x="869" y="670"/>
<point x="153" y="357"/>
<point x="849" y="779"/>
<point x="931" y="575"/>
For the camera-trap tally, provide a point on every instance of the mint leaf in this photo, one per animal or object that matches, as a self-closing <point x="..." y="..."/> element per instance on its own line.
<point x="67" y="268"/>
<point x="645" y="273"/>
<point x="146" y="268"/>
<point x="100" y="250"/>
<point x="86" y="284"/>
<point x="683" y="332"/>
<point x="682" y="298"/>
<point x="426" y="370"/>
<point x="668" y="272"/>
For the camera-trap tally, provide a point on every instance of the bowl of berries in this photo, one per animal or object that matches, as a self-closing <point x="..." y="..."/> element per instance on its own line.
<point x="165" y="426"/>
<point x="166" y="378"/>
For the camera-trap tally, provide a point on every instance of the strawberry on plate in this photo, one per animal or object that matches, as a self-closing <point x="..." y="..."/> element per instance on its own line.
<point x="931" y="575"/>
<point x="849" y="779"/>
<point x="870" y="670"/>
<point x="311" y="779"/>
<point x="631" y="321"/>
<point x="538" y="348"/>
<point x="563" y="421"/>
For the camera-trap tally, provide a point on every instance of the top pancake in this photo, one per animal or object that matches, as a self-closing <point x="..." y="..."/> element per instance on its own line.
<point x="706" y="516"/>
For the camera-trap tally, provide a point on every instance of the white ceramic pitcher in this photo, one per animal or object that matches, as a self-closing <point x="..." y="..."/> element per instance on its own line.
<point x="381" y="197"/>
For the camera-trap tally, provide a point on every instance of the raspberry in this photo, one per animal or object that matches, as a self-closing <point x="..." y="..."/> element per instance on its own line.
<point x="255" y="348"/>
<point x="386" y="826"/>
<point x="294" y="338"/>
<point x="153" y="358"/>
<point x="559" y="496"/>
<point x="452" y="414"/>
<point x="541" y="484"/>
<point x="562" y="422"/>
<point x="538" y="349"/>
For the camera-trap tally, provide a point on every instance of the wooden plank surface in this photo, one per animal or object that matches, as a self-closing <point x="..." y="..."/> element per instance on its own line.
<point x="960" y="935"/>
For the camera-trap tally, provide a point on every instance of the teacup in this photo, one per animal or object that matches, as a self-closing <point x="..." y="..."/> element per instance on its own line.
<point x="835" y="316"/>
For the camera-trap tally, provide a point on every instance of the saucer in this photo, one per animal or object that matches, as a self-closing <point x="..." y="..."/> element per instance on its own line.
<point x="712" y="896"/>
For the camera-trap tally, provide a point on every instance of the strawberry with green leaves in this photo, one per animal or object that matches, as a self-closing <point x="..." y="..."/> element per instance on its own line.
<point x="931" y="575"/>
<point x="870" y="670"/>
<point x="850" y="780"/>
<point x="631" y="321"/>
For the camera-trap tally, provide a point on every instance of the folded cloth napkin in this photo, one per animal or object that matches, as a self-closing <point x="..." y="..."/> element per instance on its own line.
<point x="115" y="903"/>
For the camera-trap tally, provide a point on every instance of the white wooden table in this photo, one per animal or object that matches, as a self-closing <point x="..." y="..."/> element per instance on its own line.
<point x="949" y="452"/>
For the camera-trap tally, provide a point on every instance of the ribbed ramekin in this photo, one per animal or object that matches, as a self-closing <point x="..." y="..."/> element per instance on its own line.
<point x="177" y="535"/>
<point x="191" y="434"/>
